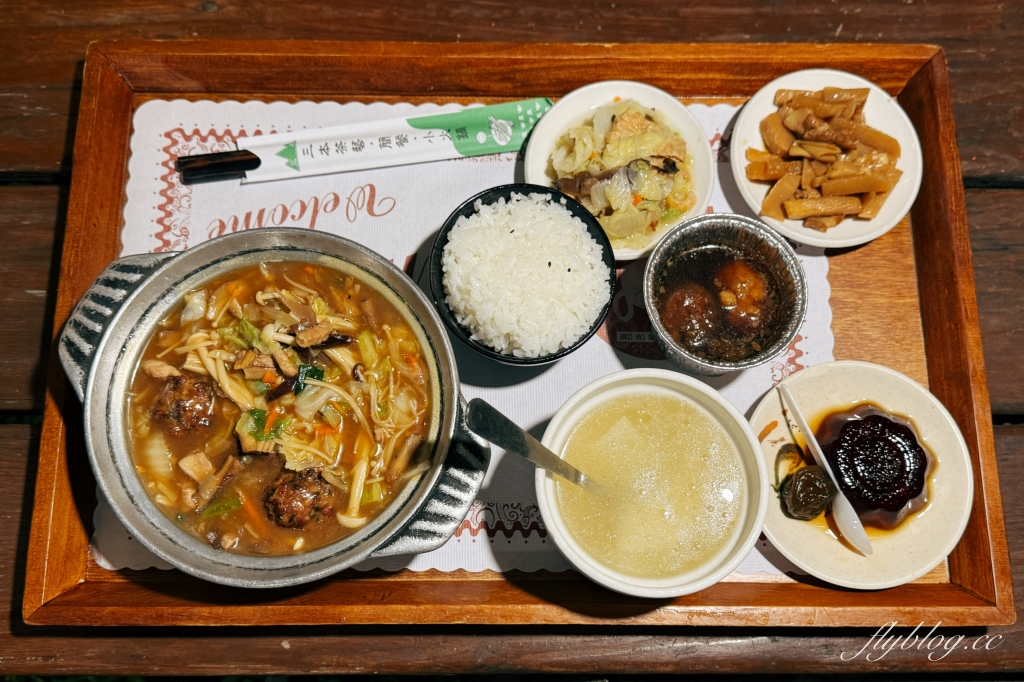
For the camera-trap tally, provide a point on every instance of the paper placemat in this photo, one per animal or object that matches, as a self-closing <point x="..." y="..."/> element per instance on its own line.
<point x="397" y="211"/>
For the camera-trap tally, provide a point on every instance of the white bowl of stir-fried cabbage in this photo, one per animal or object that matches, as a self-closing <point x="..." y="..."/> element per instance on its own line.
<point x="631" y="154"/>
<point x="271" y="407"/>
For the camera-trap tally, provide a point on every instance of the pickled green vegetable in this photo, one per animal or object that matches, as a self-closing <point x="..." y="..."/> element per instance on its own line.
<point x="789" y="457"/>
<point x="807" y="493"/>
<point x="223" y="506"/>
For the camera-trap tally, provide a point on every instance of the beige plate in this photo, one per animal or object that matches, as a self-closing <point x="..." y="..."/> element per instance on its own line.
<point x="880" y="111"/>
<point x="577" y="107"/>
<point x="918" y="544"/>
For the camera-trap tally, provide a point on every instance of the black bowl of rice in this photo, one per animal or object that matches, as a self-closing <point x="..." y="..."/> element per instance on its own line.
<point x="522" y="274"/>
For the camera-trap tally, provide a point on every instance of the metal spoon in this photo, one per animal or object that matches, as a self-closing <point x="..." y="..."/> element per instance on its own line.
<point x="488" y="423"/>
<point x="842" y="511"/>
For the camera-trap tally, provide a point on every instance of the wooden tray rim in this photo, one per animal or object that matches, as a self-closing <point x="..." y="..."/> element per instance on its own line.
<point x="63" y="594"/>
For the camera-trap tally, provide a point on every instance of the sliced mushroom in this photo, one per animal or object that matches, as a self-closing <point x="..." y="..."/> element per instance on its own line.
<point x="158" y="369"/>
<point x="212" y="483"/>
<point x="357" y="372"/>
<point x="403" y="457"/>
<point x="254" y="365"/>
<point x="254" y="359"/>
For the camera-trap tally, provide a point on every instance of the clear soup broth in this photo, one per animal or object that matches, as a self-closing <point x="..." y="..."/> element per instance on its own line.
<point x="672" y="486"/>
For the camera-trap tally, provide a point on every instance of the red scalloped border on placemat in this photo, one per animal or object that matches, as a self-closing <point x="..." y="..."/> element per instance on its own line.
<point x="176" y="199"/>
<point x="506" y="518"/>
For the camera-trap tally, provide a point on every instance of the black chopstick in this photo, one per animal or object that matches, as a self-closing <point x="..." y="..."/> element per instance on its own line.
<point x="217" y="166"/>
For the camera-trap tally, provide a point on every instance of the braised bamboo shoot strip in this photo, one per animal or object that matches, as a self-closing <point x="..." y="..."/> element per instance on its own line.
<point x="843" y="158"/>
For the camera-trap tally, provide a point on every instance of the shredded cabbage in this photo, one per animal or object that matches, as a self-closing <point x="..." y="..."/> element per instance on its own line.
<point x="649" y="184"/>
<point x="195" y="307"/>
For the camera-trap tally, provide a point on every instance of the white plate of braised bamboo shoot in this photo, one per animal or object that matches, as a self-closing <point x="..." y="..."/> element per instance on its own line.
<point x="826" y="158"/>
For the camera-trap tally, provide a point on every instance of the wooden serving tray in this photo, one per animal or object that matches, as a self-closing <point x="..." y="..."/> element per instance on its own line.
<point x="906" y="300"/>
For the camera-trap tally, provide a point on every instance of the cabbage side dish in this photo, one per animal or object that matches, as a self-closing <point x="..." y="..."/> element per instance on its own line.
<point x="279" y="408"/>
<point x="629" y="169"/>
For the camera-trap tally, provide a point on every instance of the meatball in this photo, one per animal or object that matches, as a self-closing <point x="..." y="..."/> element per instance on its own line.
<point x="297" y="497"/>
<point x="185" y="403"/>
<point x="690" y="314"/>
<point x="743" y="294"/>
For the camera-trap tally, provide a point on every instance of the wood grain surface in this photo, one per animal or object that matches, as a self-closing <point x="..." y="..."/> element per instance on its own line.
<point x="997" y="241"/>
<point x="454" y="649"/>
<point x="46" y="43"/>
<point x="31" y="220"/>
<point x="39" y="88"/>
<point x="979" y="590"/>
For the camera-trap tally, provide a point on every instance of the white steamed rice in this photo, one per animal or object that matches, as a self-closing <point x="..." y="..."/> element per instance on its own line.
<point x="525" y="277"/>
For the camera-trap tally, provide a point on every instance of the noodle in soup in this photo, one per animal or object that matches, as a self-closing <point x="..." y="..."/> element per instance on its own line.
<point x="279" y="408"/>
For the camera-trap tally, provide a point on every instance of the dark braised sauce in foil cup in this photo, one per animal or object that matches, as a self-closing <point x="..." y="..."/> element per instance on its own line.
<point x="718" y="303"/>
<point x="700" y="251"/>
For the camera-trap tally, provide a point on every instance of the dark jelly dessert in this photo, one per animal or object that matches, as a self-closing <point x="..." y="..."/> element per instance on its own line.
<point x="878" y="462"/>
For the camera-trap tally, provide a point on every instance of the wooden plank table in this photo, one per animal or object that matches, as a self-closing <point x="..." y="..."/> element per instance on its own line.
<point x="38" y="100"/>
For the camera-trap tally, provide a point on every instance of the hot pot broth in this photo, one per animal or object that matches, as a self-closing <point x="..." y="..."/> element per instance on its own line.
<point x="279" y="408"/>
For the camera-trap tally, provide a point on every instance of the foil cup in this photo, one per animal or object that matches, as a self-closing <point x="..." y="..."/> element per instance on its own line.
<point x="757" y="243"/>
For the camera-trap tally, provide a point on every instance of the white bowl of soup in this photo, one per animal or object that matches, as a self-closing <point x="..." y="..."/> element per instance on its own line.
<point x="682" y="491"/>
<point x="270" y="407"/>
